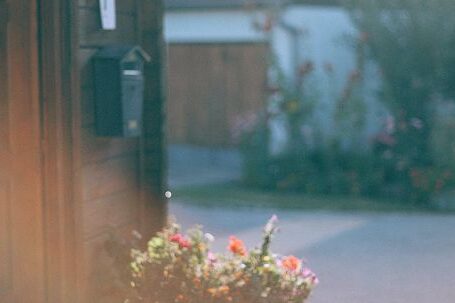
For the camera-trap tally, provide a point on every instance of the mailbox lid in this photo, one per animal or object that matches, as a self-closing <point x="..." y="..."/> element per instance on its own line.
<point x="122" y="52"/>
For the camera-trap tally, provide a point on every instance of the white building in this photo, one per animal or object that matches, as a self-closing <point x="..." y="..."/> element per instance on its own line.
<point x="316" y="31"/>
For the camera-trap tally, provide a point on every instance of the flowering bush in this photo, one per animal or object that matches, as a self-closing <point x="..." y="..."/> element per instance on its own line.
<point x="417" y="75"/>
<point x="182" y="268"/>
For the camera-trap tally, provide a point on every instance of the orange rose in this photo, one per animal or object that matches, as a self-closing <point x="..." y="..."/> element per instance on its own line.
<point x="236" y="246"/>
<point x="291" y="263"/>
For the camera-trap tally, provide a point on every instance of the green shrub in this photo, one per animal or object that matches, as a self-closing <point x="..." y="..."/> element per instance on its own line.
<point x="417" y="72"/>
<point x="412" y="159"/>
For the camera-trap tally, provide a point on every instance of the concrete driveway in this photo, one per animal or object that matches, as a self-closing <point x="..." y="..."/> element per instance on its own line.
<point x="192" y="165"/>
<point x="359" y="257"/>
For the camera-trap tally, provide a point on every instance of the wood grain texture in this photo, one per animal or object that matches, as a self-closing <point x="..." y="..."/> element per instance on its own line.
<point x="62" y="188"/>
<point x="87" y="106"/>
<point x="85" y="66"/>
<point x="59" y="210"/>
<point x="112" y="187"/>
<point x="22" y="247"/>
<point x="211" y="86"/>
<point x="109" y="213"/>
<point x="5" y="240"/>
<point x="122" y="6"/>
<point x="109" y="177"/>
<point x="91" y="34"/>
<point x="153" y="182"/>
<point x="98" y="264"/>
<point x="95" y="149"/>
<point x="5" y="214"/>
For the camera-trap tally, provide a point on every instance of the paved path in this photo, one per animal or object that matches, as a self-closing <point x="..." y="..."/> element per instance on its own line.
<point x="192" y="165"/>
<point x="360" y="258"/>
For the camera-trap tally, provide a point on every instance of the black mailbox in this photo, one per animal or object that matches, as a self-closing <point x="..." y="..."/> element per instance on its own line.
<point x="119" y="90"/>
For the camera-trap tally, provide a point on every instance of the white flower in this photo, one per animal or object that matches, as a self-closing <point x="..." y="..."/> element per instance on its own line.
<point x="209" y="237"/>
<point x="270" y="226"/>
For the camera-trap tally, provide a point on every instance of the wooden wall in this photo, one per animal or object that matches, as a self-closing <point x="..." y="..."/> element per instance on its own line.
<point x="22" y="265"/>
<point x="119" y="181"/>
<point x="213" y="86"/>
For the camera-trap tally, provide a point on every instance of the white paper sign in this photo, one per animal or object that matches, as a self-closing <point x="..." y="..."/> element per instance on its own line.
<point x="108" y="18"/>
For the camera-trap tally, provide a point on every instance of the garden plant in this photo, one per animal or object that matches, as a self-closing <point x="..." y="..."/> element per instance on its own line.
<point x="178" y="267"/>
<point x="417" y="76"/>
<point x="411" y="159"/>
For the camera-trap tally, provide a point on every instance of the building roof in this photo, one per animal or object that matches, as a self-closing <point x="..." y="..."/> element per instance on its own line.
<point x="235" y="4"/>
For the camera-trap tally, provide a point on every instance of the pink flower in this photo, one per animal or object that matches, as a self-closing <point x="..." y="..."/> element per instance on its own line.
<point x="311" y="276"/>
<point x="306" y="272"/>
<point x="180" y="240"/>
<point x="314" y="280"/>
<point x="211" y="257"/>
<point x="385" y="139"/>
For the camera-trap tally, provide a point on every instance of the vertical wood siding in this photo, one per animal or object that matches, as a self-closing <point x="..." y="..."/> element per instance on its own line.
<point x="119" y="190"/>
<point x="22" y="265"/>
<point x="211" y="86"/>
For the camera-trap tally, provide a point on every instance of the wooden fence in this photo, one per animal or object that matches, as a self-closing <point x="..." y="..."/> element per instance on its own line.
<point x="211" y="88"/>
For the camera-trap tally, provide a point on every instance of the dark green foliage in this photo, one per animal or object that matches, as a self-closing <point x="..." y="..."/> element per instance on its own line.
<point x="412" y="42"/>
<point x="327" y="171"/>
<point x="255" y="155"/>
<point x="335" y="171"/>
